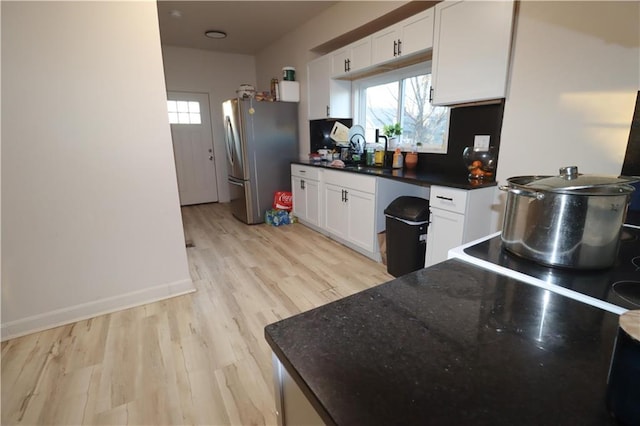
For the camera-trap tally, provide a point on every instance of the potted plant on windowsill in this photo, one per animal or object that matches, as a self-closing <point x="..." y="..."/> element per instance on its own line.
<point x="392" y="131"/>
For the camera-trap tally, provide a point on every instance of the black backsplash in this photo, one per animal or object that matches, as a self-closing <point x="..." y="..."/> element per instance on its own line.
<point x="320" y="130"/>
<point x="464" y="123"/>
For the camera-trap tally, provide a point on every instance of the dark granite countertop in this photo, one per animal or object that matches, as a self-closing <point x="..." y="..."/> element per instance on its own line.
<point x="451" y="344"/>
<point x="409" y="176"/>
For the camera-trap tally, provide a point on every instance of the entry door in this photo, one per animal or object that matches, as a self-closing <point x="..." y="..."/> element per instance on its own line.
<point x="193" y="147"/>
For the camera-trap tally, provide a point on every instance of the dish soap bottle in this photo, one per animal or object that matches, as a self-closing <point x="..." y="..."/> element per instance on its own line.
<point x="397" y="159"/>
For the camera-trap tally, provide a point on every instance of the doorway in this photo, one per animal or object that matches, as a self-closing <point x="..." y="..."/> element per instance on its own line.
<point x="191" y="133"/>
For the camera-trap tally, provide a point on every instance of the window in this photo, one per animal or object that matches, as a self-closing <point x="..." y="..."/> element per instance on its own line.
<point x="183" y="112"/>
<point x="402" y="96"/>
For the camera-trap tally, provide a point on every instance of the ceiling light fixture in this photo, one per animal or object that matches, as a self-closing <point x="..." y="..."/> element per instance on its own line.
<point x="215" y="34"/>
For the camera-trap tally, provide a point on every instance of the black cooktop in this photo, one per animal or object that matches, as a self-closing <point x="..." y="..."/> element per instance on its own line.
<point x="618" y="285"/>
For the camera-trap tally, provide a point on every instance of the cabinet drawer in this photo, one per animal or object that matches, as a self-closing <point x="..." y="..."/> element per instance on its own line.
<point x="450" y="199"/>
<point x="305" y="171"/>
<point x="351" y="180"/>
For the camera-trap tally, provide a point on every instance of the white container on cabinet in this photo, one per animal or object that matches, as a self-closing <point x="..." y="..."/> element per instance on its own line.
<point x="289" y="91"/>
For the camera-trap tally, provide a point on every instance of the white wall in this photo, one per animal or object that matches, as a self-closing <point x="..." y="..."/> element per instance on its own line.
<point x="574" y="78"/>
<point x="90" y="213"/>
<point x="573" y="87"/>
<point x="217" y="74"/>
<point x="294" y="49"/>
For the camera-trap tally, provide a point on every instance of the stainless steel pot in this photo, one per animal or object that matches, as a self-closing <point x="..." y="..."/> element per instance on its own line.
<point x="570" y="220"/>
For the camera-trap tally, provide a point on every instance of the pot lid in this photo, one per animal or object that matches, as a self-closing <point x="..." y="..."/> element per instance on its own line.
<point x="570" y="180"/>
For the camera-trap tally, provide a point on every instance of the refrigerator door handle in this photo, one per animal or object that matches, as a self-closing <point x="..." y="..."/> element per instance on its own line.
<point x="229" y="139"/>
<point x="235" y="182"/>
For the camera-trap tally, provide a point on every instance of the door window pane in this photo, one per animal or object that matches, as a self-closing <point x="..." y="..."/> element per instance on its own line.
<point x="184" y="112"/>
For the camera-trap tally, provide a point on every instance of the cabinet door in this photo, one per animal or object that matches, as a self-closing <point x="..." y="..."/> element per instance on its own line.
<point x="312" y="190"/>
<point x="339" y="62"/>
<point x="471" y="47"/>
<point x="299" y="197"/>
<point x="360" y="56"/>
<point x="445" y="232"/>
<point x="319" y="77"/>
<point x="384" y="45"/>
<point x="417" y="33"/>
<point x="335" y="210"/>
<point x="361" y="218"/>
<point x="327" y="97"/>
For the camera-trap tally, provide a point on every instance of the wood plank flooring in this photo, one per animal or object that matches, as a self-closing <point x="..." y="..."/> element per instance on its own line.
<point x="198" y="359"/>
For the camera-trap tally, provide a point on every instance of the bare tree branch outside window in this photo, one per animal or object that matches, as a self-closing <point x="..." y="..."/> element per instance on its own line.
<point x="424" y="126"/>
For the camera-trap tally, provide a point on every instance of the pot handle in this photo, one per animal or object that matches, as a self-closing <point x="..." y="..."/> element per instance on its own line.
<point x="518" y="191"/>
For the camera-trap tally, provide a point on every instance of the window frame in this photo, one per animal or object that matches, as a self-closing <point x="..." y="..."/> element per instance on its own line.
<point x="359" y="87"/>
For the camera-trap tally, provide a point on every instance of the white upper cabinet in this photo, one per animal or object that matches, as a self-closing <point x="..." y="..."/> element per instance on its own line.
<point x="407" y="37"/>
<point x="471" y="48"/>
<point x="327" y="97"/>
<point x="354" y="57"/>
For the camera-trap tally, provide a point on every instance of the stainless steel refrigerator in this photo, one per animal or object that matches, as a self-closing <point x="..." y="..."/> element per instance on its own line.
<point x="262" y="140"/>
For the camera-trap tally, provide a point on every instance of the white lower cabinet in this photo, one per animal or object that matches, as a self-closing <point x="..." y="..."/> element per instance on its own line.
<point x="335" y="210"/>
<point x="305" y="188"/>
<point x="349" y="210"/>
<point x="446" y="230"/>
<point x="458" y="216"/>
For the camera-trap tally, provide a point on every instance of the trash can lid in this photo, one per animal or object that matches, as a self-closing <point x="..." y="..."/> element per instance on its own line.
<point x="414" y="209"/>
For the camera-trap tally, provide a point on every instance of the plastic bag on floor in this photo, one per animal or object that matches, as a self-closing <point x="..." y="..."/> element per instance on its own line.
<point x="276" y="217"/>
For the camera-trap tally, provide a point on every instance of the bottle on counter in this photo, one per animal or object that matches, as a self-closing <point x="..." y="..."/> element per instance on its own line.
<point x="370" y="157"/>
<point x="411" y="159"/>
<point x="398" y="159"/>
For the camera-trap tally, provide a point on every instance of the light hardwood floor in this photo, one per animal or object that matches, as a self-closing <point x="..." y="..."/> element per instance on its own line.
<point x="195" y="359"/>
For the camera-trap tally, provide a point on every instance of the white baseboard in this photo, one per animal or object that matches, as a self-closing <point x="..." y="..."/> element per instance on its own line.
<point x="92" y="309"/>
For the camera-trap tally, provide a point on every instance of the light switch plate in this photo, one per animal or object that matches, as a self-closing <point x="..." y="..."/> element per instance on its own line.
<point x="481" y="142"/>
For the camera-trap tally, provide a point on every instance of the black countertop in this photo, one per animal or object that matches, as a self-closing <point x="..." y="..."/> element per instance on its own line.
<point x="410" y="176"/>
<point x="451" y="344"/>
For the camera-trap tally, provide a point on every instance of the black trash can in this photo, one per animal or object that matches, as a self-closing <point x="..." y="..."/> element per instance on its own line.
<point x="407" y="219"/>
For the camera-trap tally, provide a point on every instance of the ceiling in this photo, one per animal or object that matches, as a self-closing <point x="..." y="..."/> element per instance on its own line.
<point x="250" y="25"/>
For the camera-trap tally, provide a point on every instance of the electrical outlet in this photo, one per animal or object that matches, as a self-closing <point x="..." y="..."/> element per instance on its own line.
<point x="481" y="142"/>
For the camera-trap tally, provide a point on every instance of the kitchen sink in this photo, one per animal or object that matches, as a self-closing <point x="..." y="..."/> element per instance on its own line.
<point x="367" y="169"/>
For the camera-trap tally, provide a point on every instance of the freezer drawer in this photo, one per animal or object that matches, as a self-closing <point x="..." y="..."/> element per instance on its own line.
<point x="243" y="206"/>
